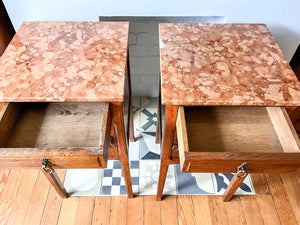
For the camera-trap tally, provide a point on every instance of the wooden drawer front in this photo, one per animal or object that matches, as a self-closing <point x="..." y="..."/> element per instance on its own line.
<point x="69" y="135"/>
<point x="219" y="139"/>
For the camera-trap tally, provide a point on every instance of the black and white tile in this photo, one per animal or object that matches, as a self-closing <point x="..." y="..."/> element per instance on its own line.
<point x="113" y="180"/>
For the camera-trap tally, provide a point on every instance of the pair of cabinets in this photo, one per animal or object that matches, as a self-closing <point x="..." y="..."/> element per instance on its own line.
<point x="223" y="86"/>
<point x="210" y="139"/>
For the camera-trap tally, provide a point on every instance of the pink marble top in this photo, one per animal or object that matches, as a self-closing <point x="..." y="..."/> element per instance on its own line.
<point x="224" y="64"/>
<point x="65" y="61"/>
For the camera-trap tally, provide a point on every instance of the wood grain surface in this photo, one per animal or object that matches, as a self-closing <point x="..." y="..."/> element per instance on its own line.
<point x="22" y="200"/>
<point x="219" y="139"/>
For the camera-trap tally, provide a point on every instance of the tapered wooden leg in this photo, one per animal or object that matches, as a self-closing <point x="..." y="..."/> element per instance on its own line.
<point x="131" y="126"/>
<point x="158" y="125"/>
<point x="56" y="183"/>
<point x="233" y="186"/>
<point x="118" y="123"/>
<point x="170" y="126"/>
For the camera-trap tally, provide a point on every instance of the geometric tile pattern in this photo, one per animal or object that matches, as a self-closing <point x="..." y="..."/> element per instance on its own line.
<point x="194" y="183"/>
<point x="83" y="182"/>
<point x="148" y="120"/>
<point x="144" y="157"/>
<point x="113" y="181"/>
<point x="149" y="173"/>
<point x="221" y="181"/>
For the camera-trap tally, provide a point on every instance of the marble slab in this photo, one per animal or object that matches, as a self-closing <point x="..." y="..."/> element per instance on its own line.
<point x="65" y="61"/>
<point x="224" y="64"/>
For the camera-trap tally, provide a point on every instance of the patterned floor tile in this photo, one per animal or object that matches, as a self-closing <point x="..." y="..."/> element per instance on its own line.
<point x="148" y="148"/>
<point x="113" y="181"/>
<point x="136" y="119"/>
<point x="83" y="182"/>
<point x="134" y="150"/>
<point x="149" y="173"/>
<point x="134" y="147"/>
<point x="193" y="183"/>
<point x="148" y="120"/>
<point x="221" y="181"/>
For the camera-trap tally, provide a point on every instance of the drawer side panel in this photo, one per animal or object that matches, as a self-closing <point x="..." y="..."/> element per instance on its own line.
<point x="284" y="128"/>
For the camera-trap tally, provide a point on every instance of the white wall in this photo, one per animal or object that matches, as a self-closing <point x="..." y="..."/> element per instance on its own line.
<point x="281" y="16"/>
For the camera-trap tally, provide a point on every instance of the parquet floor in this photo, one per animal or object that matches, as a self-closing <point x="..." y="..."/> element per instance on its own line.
<point x="27" y="198"/>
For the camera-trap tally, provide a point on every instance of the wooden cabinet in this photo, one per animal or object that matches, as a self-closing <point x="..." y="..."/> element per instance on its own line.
<point x="224" y="88"/>
<point x="63" y="97"/>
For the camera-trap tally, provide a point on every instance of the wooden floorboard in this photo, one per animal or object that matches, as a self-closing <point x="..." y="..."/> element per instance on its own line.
<point x="84" y="212"/>
<point x="251" y="210"/>
<point x="169" y="210"/>
<point x="235" y="212"/>
<point x="26" y="197"/>
<point x="218" y="210"/>
<point x="68" y="211"/>
<point x="202" y="213"/>
<point x="135" y="210"/>
<point x="260" y="184"/>
<point x="53" y="204"/>
<point x="3" y="179"/>
<point x="267" y="209"/>
<point x="291" y="186"/>
<point x="6" y="208"/>
<point x="152" y="210"/>
<point x="101" y="214"/>
<point x="20" y="190"/>
<point x="281" y="199"/>
<point x="185" y="207"/>
<point x="118" y="208"/>
<point x="37" y="200"/>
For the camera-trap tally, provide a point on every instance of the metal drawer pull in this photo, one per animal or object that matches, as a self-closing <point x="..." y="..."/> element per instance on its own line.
<point x="47" y="166"/>
<point x="242" y="169"/>
<point x="112" y="142"/>
<point x="175" y="146"/>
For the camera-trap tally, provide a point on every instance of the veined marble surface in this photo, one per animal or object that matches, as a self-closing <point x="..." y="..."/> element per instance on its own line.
<point x="224" y="64"/>
<point x="65" y="61"/>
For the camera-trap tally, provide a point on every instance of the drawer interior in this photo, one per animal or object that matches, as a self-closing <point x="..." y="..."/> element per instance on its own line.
<point x="53" y="125"/>
<point x="237" y="129"/>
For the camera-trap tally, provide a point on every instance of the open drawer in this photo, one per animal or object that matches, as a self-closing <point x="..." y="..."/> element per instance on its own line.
<point x="69" y="135"/>
<point x="219" y="139"/>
